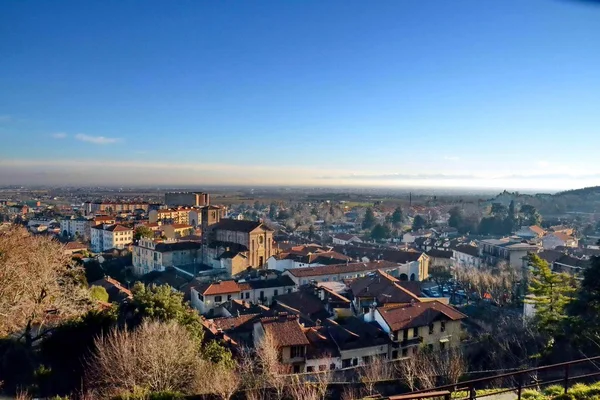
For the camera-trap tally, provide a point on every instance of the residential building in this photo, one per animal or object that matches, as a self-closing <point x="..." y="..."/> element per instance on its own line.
<point x="152" y="255"/>
<point x="530" y="232"/>
<point x="187" y="199"/>
<point x="289" y="337"/>
<point x="345" y="238"/>
<point x="76" y="227"/>
<point x="106" y="237"/>
<point x="176" y="231"/>
<point x="74" y="247"/>
<point x="203" y="217"/>
<point x="110" y="207"/>
<point x="561" y="229"/>
<point x="103" y="219"/>
<point x="510" y="250"/>
<point x="432" y="324"/>
<point x="305" y="256"/>
<point x="413" y="264"/>
<point x="440" y="258"/>
<point x="466" y="255"/>
<point x="263" y="291"/>
<point x="555" y="239"/>
<point x="381" y="289"/>
<point x="228" y="238"/>
<point x="339" y="272"/>
<point x="205" y="297"/>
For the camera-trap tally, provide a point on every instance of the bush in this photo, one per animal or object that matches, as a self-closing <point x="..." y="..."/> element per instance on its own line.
<point x="564" y="396"/>
<point x="554" y="390"/>
<point x="151" y="396"/>
<point x="529" y="394"/>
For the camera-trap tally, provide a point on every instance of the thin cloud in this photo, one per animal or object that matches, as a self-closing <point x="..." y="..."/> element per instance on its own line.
<point x="96" y="139"/>
<point x="59" y="135"/>
<point x="452" y="158"/>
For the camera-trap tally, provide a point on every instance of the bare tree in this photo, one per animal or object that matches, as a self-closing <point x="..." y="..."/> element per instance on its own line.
<point x="300" y="389"/>
<point x="350" y="393"/>
<point x="375" y="371"/>
<point x="450" y="365"/>
<point x="157" y="356"/>
<point x="273" y="371"/>
<point x="225" y="381"/>
<point x="37" y="284"/>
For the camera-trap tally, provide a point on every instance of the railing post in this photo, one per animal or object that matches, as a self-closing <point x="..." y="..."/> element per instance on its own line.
<point x="519" y="386"/>
<point x="566" y="378"/>
<point x="448" y="396"/>
<point x="472" y="394"/>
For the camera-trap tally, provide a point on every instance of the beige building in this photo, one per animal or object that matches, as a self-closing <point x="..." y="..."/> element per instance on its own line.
<point x="195" y="216"/>
<point x="339" y="272"/>
<point x="151" y="255"/>
<point x="106" y="237"/>
<point x="189" y="199"/>
<point x="432" y="324"/>
<point x="176" y="231"/>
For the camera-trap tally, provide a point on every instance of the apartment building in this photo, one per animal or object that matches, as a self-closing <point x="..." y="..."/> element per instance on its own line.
<point x="110" y="207"/>
<point x="72" y="227"/>
<point x="151" y="255"/>
<point x="187" y="199"/>
<point x="510" y="250"/>
<point x="432" y="324"/>
<point x="106" y="237"/>
<point x="203" y="217"/>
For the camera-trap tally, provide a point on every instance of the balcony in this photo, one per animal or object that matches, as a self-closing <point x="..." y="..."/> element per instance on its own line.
<point x="407" y="342"/>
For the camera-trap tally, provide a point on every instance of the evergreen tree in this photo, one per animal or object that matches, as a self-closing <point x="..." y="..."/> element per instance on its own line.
<point x="397" y="216"/>
<point x="551" y="294"/>
<point x="418" y="223"/>
<point x="380" y="232"/>
<point x="369" y="220"/>
<point x="143" y="231"/>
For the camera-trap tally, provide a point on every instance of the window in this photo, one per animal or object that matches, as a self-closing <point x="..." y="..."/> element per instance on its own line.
<point x="262" y="295"/>
<point x="431" y="326"/>
<point x="355" y="362"/>
<point x="443" y="326"/>
<point x="430" y="347"/>
<point x="296" y="351"/>
<point x="415" y="332"/>
<point x="322" y="368"/>
<point x="442" y="345"/>
<point x="296" y="369"/>
<point x="366" y="359"/>
<point x="247" y="295"/>
<point x="289" y="290"/>
<point x="332" y="366"/>
<point x="218" y="299"/>
<point x="394" y="354"/>
<point x="275" y="292"/>
<point x="346" y="363"/>
<point x="405" y="334"/>
<point x="228" y="297"/>
<point x="404" y="352"/>
<point x="310" y="369"/>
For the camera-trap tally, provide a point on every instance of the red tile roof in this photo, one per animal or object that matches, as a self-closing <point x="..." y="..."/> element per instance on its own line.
<point x="75" y="246"/>
<point x="216" y="288"/>
<point x="341" y="268"/>
<point x="418" y="314"/>
<point x="286" y="330"/>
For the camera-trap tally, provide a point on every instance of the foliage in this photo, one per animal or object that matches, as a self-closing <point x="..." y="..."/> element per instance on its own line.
<point x="551" y="294"/>
<point x="584" y="311"/>
<point x="217" y="354"/>
<point x="93" y="271"/>
<point x="397" y="217"/>
<point x="441" y="275"/>
<point x="369" y="219"/>
<point x="529" y="215"/>
<point x="381" y="232"/>
<point x="418" y="223"/>
<point x="161" y="303"/>
<point x="155" y="357"/>
<point x="17" y="365"/>
<point x="36" y="277"/>
<point x="99" y="293"/>
<point x="143" y="231"/>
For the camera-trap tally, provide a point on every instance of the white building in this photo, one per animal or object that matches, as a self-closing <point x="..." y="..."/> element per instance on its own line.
<point x="345" y="238"/>
<point x="149" y="255"/>
<point x="556" y="239"/>
<point x="105" y="237"/>
<point x="465" y="255"/>
<point x="75" y="227"/>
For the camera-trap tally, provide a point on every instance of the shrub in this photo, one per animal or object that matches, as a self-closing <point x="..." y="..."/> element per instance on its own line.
<point x="554" y="390"/>
<point x="529" y="394"/>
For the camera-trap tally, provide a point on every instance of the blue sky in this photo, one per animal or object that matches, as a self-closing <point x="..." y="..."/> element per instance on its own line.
<point x="501" y="93"/>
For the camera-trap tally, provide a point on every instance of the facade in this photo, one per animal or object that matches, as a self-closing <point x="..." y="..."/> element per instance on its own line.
<point x="345" y="238"/>
<point x="530" y="232"/>
<point x="506" y="250"/>
<point x="466" y="256"/>
<point x="305" y="256"/>
<point x="106" y="237"/>
<point x="203" y="217"/>
<point x="114" y="207"/>
<point x="76" y="227"/>
<point x="188" y="199"/>
<point x="432" y="324"/>
<point x="176" y="231"/>
<point x="263" y="291"/>
<point x="556" y="239"/>
<point x="339" y="272"/>
<point x="205" y="297"/>
<point x="150" y="255"/>
<point x="238" y="245"/>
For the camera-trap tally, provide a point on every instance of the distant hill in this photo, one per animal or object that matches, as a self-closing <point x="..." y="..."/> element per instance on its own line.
<point x="592" y="190"/>
<point x="585" y="200"/>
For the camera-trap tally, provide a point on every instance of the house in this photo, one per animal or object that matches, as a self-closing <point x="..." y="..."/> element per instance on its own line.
<point x="432" y="324"/>
<point x="205" y="297"/>
<point x="116" y="291"/>
<point x="176" y="231"/>
<point x="555" y="239"/>
<point x="414" y="264"/>
<point x="510" y="250"/>
<point x="561" y="229"/>
<point x="440" y="258"/>
<point x="308" y="303"/>
<point x="338" y="272"/>
<point x="379" y="288"/>
<point x="530" y="232"/>
<point x="74" y="247"/>
<point x="409" y="237"/>
<point x="305" y="256"/>
<point x="230" y="237"/>
<point x="73" y="227"/>
<point x="570" y="265"/>
<point x="466" y="255"/>
<point x="105" y="237"/>
<point x="103" y="219"/>
<point x="157" y="255"/>
<point x="289" y="338"/>
<point x="345" y="238"/>
<point x="263" y="291"/>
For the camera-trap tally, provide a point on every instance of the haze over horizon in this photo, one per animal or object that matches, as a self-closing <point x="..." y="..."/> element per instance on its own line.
<point x="408" y="93"/>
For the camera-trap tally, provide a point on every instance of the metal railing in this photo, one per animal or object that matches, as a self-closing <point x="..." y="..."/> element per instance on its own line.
<point x="562" y="373"/>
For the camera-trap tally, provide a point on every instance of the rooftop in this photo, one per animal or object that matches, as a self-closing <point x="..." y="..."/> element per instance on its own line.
<point x="418" y="314"/>
<point x="341" y="268"/>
